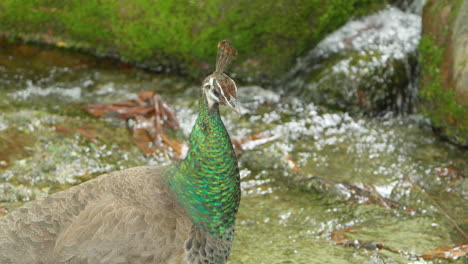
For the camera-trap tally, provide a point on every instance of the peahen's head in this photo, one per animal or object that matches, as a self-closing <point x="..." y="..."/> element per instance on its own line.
<point x="218" y="88"/>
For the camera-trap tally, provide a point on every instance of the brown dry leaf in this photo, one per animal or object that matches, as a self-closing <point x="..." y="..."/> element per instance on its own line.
<point x="146" y="95"/>
<point x="370" y="196"/>
<point x="358" y="194"/>
<point x="292" y="164"/>
<point x="96" y="110"/>
<point x="62" y="129"/>
<point x="165" y="114"/>
<point x="151" y="114"/>
<point x="144" y="142"/>
<point x="102" y="109"/>
<point x="128" y="103"/>
<point x="3" y="211"/>
<point x="147" y="105"/>
<point x="125" y="109"/>
<point x="87" y="132"/>
<point x="237" y="146"/>
<point x="256" y="136"/>
<point x="176" y="145"/>
<point x="252" y="141"/>
<point x="340" y="237"/>
<point x="131" y="112"/>
<point x="447" y="171"/>
<point x="446" y="252"/>
<point x="451" y="175"/>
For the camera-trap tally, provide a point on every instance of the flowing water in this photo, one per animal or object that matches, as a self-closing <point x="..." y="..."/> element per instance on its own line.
<point x="285" y="217"/>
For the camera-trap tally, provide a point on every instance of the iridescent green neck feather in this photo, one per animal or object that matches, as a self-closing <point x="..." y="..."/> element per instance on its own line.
<point x="207" y="181"/>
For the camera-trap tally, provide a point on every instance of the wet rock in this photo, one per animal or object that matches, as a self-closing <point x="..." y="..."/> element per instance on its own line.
<point x="444" y="79"/>
<point x="366" y="66"/>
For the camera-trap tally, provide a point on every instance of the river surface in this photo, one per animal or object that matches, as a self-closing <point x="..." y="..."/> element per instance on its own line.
<point x="287" y="215"/>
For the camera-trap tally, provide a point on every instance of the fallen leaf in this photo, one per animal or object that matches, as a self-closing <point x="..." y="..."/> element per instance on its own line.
<point x="447" y="171"/>
<point x="3" y="211"/>
<point x="61" y="129"/>
<point x="339" y="237"/>
<point x="87" y="132"/>
<point x="131" y="112"/>
<point x="146" y="95"/>
<point x="251" y="141"/>
<point x="166" y="115"/>
<point x="446" y="252"/>
<point x="256" y="136"/>
<point x="237" y="146"/>
<point x="449" y="174"/>
<point x="176" y="145"/>
<point x="124" y="109"/>
<point x="94" y="110"/>
<point x="292" y="164"/>
<point x="151" y="115"/>
<point x="129" y="103"/>
<point x="144" y="142"/>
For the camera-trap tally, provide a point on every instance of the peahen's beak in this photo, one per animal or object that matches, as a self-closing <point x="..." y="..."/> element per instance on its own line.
<point x="234" y="105"/>
<point x="237" y="110"/>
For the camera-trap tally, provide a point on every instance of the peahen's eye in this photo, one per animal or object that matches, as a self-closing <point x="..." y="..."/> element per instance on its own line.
<point x="216" y="92"/>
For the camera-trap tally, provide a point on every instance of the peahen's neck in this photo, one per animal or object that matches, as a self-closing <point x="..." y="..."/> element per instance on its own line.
<point x="207" y="181"/>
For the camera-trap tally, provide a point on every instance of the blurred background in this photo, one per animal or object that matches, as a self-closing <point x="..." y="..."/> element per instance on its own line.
<point x="353" y="138"/>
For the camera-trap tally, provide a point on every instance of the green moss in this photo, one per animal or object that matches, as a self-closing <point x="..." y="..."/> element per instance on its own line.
<point x="438" y="102"/>
<point x="268" y="33"/>
<point x="364" y="87"/>
<point x="456" y="7"/>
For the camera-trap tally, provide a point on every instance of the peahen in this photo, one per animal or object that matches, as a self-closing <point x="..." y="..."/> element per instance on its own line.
<point x="180" y="213"/>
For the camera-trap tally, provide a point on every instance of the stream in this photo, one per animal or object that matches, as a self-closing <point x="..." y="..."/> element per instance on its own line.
<point x="286" y="216"/>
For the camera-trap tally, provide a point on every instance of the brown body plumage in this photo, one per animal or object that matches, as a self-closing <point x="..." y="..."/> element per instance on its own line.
<point x="112" y="214"/>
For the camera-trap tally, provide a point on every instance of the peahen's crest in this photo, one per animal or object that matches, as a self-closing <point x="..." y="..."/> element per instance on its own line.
<point x="226" y="54"/>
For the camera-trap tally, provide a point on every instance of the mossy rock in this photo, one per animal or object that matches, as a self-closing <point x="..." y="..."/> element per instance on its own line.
<point x="443" y="89"/>
<point x="352" y="82"/>
<point x="181" y="35"/>
<point x="367" y="66"/>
